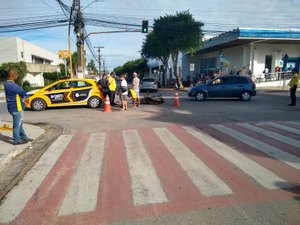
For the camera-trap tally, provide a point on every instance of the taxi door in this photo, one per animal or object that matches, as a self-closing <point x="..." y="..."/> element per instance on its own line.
<point x="80" y="92"/>
<point x="59" y="93"/>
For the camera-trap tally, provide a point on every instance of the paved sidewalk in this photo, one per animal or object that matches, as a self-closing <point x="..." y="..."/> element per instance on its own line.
<point x="8" y="150"/>
<point x="2" y="96"/>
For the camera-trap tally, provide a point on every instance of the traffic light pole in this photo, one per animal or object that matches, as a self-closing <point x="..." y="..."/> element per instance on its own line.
<point x="112" y="32"/>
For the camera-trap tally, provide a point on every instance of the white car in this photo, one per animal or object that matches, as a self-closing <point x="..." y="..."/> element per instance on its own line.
<point x="148" y="84"/>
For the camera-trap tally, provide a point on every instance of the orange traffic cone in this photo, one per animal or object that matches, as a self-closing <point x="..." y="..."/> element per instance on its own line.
<point x="176" y="100"/>
<point x="107" y="107"/>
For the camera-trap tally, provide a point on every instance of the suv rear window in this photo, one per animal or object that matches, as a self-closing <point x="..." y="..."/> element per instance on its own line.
<point x="148" y="80"/>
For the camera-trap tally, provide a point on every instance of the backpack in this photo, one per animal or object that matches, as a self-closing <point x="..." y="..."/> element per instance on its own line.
<point x="131" y="93"/>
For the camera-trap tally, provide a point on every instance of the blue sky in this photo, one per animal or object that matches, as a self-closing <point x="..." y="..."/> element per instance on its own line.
<point x="217" y="15"/>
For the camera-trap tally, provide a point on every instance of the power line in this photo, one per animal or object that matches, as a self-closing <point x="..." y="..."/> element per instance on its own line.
<point x="49" y="5"/>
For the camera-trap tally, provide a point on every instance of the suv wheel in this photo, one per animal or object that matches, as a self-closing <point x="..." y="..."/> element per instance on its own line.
<point x="200" y="96"/>
<point x="38" y="104"/>
<point x="245" y="96"/>
<point x="94" y="102"/>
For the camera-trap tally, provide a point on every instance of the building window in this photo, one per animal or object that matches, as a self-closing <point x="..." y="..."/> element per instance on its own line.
<point x="22" y="54"/>
<point x="37" y="60"/>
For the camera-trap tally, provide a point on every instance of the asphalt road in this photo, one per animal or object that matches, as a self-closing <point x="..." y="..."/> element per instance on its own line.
<point x="275" y="207"/>
<point x="266" y="106"/>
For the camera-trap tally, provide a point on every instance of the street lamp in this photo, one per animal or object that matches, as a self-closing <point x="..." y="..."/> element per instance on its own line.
<point x="92" y="3"/>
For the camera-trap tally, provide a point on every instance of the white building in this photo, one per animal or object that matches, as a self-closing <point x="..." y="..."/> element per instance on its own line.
<point x="156" y="69"/>
<point x="37" y="59"/>
<point x="244" y="49"/>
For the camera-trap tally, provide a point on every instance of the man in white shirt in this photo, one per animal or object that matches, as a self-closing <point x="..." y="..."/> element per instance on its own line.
<point x="136" y="88"/>
<point x="123" y="92"/>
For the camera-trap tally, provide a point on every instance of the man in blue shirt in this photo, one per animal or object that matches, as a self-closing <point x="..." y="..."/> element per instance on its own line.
<point x="15" y="105"/>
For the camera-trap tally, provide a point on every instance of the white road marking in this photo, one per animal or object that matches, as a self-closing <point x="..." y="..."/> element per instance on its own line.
<point x="145" y="184"/>
<point x="83" y="190"/>
<point x="282" y="127"/>
<point x="261" y="175"/>
<point x="208" y="183"/>
<point x="17" y="198"/>
<point x="271" y="134"/>
<point x="184" y="112"/>
<point x="277" y="153"/>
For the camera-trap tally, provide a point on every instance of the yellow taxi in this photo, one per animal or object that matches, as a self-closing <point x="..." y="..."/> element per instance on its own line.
<point x="68" y="92"/>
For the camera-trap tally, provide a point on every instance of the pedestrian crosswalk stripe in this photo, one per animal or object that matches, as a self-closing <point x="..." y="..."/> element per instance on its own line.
<point x="207" y="182"/>
<point x="271" y="134"/>
<point x="146" y="186"/>
<point x="274" y="152"/>
<point x="17" y="198"/>
<point x="261" y="175"/>
<point x="83" y="190"/>
<point x="282" y="127"/>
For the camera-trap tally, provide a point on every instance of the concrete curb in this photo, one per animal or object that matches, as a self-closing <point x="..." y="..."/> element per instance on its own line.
<point x="8" y="150"/>
<point x="16" y="168"/>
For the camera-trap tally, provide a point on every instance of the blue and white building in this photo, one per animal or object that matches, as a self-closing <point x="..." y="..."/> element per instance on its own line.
<point x="243" y="49"/>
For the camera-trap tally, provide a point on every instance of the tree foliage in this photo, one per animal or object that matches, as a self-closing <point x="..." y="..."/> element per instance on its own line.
<point x="171" y="34"/>
<point x="19" y="66"/>
<point x="62" y="68"/>
<point x="74" y="62"/>
<point x="51" y="77"/>
<point x="92" y="66"/>
<point x="140" y="66"/>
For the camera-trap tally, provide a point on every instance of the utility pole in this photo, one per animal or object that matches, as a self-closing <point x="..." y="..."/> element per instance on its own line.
<point x="79" y="25"/>
<point x="103" y="65"/>
<point x="99" y="58"/>
<point x="69" y="40"/>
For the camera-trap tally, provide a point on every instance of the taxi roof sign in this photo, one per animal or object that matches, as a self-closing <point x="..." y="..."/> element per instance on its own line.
<point x="64" y="53"/>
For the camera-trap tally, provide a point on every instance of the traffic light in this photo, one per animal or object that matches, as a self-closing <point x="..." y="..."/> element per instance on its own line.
<point x="145" y="26"/>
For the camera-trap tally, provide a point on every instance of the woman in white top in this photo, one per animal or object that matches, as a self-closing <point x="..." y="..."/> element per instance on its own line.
<point x="123" y="92"/>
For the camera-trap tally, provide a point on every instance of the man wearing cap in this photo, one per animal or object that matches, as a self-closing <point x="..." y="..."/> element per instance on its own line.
<point x="293" y="87"/>
<point x="136" y="88"/>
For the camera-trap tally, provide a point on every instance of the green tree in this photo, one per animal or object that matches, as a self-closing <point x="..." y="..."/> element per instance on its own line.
<point x="140" y="66"/>
<point x="153" y="48"/>
<point x="62" y="68"/>
<point x="92" y="66"/>
<point x="19" y="66"/>
<point x="51" y="77"/>
<point x="119" y="70"/>
<point x="172" y="34"/>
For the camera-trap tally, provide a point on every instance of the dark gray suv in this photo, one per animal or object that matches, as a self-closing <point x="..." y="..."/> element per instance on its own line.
<point x="225" y="86"/>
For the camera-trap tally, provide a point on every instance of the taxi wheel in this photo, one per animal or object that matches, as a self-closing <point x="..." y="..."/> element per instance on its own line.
<point x="38" y="104"/>
<point x="94" y="102"/>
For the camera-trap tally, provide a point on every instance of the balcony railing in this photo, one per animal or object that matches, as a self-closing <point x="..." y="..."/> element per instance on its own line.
<point x="41" y="68"/>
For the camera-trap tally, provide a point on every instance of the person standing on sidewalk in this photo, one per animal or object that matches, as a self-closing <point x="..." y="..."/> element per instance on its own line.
<point x="112" y="88"/>
<point x="293" y="86"/>
<point x="136" y="88"/>
<point x="123" y="92"/>
<point x="15" y="106"/>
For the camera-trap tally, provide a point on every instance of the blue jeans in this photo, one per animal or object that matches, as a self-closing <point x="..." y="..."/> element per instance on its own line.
<point x="18" y="132"/>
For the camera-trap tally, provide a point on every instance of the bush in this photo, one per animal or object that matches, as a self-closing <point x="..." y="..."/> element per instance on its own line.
<point x="19" y="66"/>
<point x="26" y="86"/>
